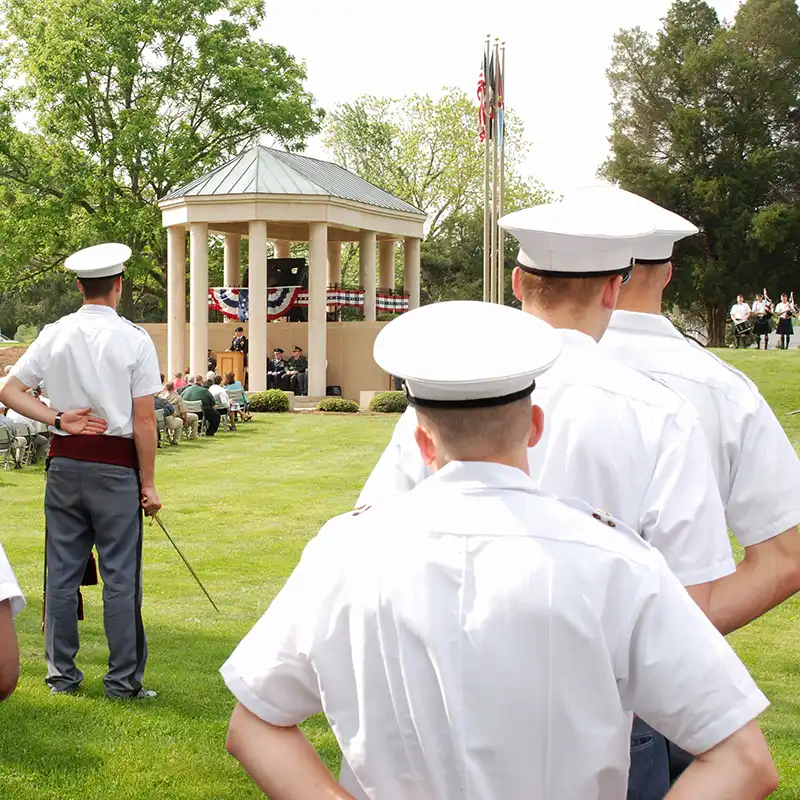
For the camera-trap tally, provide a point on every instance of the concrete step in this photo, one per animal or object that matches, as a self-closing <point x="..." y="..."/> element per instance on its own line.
<point x="306" y="403"/>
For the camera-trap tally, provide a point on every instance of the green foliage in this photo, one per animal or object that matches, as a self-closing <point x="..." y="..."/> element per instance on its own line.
<point x="340" y="405"/>
<point x="26" y="333"/>
<point x="389" y="403"/>
<point x="706" y="122"/>
<point x="273" y="400"/>
<point x="124" y="101"/>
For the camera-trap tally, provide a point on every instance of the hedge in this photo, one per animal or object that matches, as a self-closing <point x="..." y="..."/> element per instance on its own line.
<point x="273" y="400"/>
<point x="389" y="403"/>
<point x="340" y="404"/>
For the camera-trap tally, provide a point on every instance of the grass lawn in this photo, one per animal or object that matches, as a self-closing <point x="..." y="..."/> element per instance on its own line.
<point x="242" y="506"/>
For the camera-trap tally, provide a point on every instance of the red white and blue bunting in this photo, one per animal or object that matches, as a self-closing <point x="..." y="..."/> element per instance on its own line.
<point x="234" y="303"/>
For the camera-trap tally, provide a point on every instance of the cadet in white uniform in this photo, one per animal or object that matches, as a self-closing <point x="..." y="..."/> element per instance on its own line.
<point x="616" y="438"/>
<point x="478" y="637"/>
<point x="740" y="317"/>
<point x="105" y="370"/>
<point x="12" y="602"/>
<point x="756" y="467"/>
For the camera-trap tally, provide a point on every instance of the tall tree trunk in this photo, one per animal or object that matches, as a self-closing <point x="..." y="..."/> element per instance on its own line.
<point x="717" y="317"/>
<point x="126" y="306"/>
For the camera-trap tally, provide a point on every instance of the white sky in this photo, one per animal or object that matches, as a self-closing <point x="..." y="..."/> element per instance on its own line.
<point x="556" y="58"/>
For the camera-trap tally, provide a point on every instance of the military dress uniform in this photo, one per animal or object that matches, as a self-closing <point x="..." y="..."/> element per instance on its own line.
<point x="298" y="363"/>
<point x="476" y="636"/>
<point x="94" y="359"/>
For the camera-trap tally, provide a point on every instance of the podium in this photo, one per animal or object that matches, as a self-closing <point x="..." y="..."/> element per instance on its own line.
<point x="231" y="362"/>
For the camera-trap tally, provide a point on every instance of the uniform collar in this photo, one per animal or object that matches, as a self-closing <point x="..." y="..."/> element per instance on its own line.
<point x="92" y="308"/>
<point x="574" y="338"/>
<point x="638" y="322"/>
<point x="481" y="475"/>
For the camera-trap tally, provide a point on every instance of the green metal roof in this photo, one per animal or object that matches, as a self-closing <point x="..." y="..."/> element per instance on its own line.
<point x="262" y="170"/>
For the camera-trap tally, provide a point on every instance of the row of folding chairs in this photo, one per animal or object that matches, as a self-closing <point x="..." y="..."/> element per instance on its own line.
<point x="18" y="447"/>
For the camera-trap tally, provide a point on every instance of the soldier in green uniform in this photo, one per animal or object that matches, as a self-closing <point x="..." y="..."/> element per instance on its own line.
<point x="297" y="370"/>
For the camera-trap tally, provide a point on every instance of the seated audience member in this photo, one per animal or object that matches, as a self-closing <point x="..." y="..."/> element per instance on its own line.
<point x="11" y="603"/>
<point x="179" y="382"/>
<point x="297" y="370"/>
<point x="18" y="443"/>
<point x="173" y="424"/>
<point x="198" y="392"/>
<point x="190" y="421"/>
<point x="276" y="369"/>
<point x="189" y="382"/>
<point x="222" y="400"/>
<point x="230" y="383"/>
<point x="209" y="381"/>
<point x="41" y="441"/>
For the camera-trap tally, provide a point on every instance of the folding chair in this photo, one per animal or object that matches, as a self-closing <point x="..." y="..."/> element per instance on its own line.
<point x="6" y="446"/>
<point x="23" y="431"/>
<point x="161" y="423"/>
<point x="238" y="403"/>
<point x="196" y="407"/>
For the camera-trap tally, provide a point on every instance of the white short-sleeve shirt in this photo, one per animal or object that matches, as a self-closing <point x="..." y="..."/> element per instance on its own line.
<point x="756" y="467"/>
<point x="220" y="396"/>
<point x="94" y="359"/>
<point x="740" y="311"/>
<point x="618" y="440"/>
<point x="479" y="638"/>
<point x="9" y="588"/>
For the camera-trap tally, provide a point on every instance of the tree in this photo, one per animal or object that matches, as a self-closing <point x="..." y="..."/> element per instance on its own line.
<point x="423" y="150"/>
<point x="129" y="99"/>
<point x="705" y="121"/>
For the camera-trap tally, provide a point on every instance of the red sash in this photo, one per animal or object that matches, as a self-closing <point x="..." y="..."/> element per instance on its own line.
<point x="99" y="449"/>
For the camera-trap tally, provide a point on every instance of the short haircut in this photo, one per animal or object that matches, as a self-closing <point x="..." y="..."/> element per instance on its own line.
<point x="179" y="375"/>
<point x="199" y="379"/>
<point x="218" y="379"/>
<point x="169" y="386"/>
<point x="475" y="434"/>
<point x="97" y="287"/>
<point x="229" y="378"/>
<point x="548" y="292"/>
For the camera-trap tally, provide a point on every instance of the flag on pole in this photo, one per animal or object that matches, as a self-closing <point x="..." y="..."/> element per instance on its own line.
<point x="500" y="108"/>
<point x="482" y="101"/>
<point x="490" y="96"/>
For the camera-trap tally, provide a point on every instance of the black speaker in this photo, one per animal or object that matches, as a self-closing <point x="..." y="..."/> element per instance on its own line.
<point x="333" y="391"/>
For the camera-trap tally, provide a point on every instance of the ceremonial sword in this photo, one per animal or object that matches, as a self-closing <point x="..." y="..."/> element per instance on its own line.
<point x="188" y="565"/>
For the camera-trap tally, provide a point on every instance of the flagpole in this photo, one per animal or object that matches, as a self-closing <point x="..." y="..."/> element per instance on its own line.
<point x="495" y="197"/>
<point x="486" y="212"/>
<point x="501" y="184"/>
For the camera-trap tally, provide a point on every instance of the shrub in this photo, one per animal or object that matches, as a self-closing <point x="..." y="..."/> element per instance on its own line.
<point x="389" y="403"/>
<point x="273" y="400"/>
<point x="26" y="333"/>
<point x="340" y="404"/>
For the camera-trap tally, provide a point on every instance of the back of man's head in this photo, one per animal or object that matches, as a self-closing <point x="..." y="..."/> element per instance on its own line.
<point x="178" y="375"/>
<point x="478" y="434"/>
<point x="217" y="380"/>
<point x="645" y="289"/>
<point x="100" y="288"/>
<point x="199" y="380"/>
<point x="169" y="386"/>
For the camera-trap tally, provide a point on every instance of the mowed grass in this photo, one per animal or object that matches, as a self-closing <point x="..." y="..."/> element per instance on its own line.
<point x="242" y="506"/>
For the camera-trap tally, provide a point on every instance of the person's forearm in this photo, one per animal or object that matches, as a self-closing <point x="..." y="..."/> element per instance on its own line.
<point x="15" y="396"/>
<point x="145" y="436"/>
<point x="713" y="782"/>
<point x="9" y="652"/>
<point x="280" y="760"/>
<point x="755" y="588"/>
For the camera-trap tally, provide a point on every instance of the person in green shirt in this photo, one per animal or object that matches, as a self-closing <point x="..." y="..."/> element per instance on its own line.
<point x="297" y="370"/>
<point x="198" y="392"/>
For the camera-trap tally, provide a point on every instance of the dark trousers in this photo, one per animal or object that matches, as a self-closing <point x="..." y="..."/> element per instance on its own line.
<point x="213" y="418"/>
<point x="299" y="383"/>
<point x="274" y="380"/>
<point x="649" y="777"/>
<point x="90" y="504"/>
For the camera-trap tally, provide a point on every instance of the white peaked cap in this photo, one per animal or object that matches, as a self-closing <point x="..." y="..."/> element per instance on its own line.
<point x="100" y="261"/>
<point x="580" y="238"/>
<point x="670" y="227"/>
<point x="466" y="353"/>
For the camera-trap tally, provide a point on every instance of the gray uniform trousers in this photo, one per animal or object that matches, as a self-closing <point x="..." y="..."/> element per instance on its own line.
<point x="94" y="504"/>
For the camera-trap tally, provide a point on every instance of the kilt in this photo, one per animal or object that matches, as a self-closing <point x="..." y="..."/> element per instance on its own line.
<point x="761" y="326"/>
<point x="785" y="327"/>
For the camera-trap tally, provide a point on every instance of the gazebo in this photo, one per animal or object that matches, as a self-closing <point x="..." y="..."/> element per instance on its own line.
<point x="266" y="194"/>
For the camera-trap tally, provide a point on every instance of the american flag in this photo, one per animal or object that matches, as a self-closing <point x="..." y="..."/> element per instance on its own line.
<point x="482" y="101"/>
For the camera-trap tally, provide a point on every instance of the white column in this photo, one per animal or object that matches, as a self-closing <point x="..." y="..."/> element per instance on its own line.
<point x="334" y="262"/>
<point x="176" y="300"/>
<point x="233" y="261"/>
<point x="283" y="249"/>
<point x="198" y="297"/>
<point x="257" y="298"/>
<point x="317" y="298"/>
<point x="386" y="280"/>
<point x="367" y="275"/>
<point x="411" y="252"/>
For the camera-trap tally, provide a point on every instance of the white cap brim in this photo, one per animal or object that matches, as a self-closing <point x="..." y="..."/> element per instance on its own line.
<point x="99" y="261"/>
